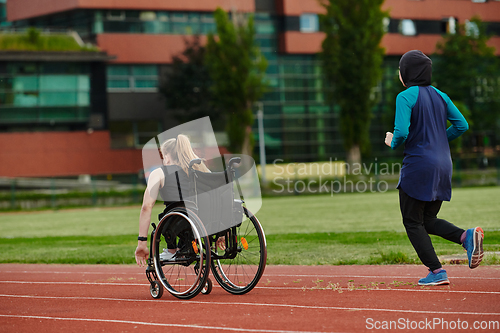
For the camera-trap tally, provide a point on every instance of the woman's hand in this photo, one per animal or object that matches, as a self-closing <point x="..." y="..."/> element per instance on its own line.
<point x="142" y="253"/>
<point x="388" y="138"/>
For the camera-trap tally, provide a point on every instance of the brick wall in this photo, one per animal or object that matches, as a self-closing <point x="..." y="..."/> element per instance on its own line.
<point x="47" y="154"/>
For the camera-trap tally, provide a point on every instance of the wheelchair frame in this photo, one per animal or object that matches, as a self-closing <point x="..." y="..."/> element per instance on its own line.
<point x="208" y="256"/>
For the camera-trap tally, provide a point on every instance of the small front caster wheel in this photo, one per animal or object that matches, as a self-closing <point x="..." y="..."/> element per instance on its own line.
<point x="156" y="289"/>
<point x="208" y="287"/>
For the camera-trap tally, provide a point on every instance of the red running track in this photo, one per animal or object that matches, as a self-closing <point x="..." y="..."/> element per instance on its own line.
<point x="115" y="298"/>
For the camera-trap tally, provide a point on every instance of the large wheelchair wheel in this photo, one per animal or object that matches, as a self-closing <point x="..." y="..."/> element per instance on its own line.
<point x="242" y="270"/>
<point x="184" y="275"/>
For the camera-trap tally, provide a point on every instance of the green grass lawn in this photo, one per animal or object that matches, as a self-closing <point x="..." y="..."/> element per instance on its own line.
<point x="362" y="228"/>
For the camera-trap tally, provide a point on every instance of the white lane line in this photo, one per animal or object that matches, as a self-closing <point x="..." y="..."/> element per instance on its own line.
<point x="380" y="276"/>
<point x="315" y="307"/>
<point x="258" y="287"/>
<point x="72" y="272"/>
<point x="77" y="283"/>
<point x="218" y="328"/>
<point x="269" y="275"/>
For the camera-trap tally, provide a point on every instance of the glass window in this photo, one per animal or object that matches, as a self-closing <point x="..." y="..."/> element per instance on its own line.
<point x="40" y="97"/>
<point x="25" y="83"/>
<point x="119" y="83"/>
<point x="122" y="26"/>
<point x="319" y="109"/>
<point x="6" y="83"/>
<point x="272" y="69"/>
<point x="385" y="22"/>
<point x="193" y="26"/>
<point x="98" y="24"/>
<point x="132" y="14"/>
<point x="293" y="83"/>
<point x="116" y="15"/>
<point x="273" y="82"/>
<point x="407" y="28"/>
<point x="21" y="68"/>
<point x="147" y="16"/>
<point x="207" y="28"/>
<point x="3" y="14"/>
<point x="449" y="25"/>
<point x="81" y="22"/>
<point x="179" y="17"/>
<point x="83" y="83"/>
<point x="57" y="98"/>
<point x="150" y="23"/>
<point x="133" y="77"/>
<point x="265" y="28"/>
<point x="118" y="70"/>
<point x="266" y="42"/>
<point x="180" y="22"/>
<point x="58" y="82"/>
<point x="271" y="96"/>
<point x="163" y="16"/>
<point x="6" y="98"/>
<point x="26" y="100"/>
<point x="83" y="99"/>
<point x="309" y="23"/>
<point x="141" y="83"/>
<point x="164" y="25"/>
<point x="152" y="27"/>
<point x="207" y="23"/>
<point x="295" y="96"/>
<point x="294" y="109"/>
<point x="145" y="70"/>
<point x="291" y="69"/>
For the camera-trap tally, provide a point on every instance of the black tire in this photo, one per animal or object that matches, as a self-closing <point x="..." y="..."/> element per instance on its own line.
<point x="208" y="287"/>
<point x="156" y="290"/>
<point x="184" y="276"/>
<point x="241" y="274"/>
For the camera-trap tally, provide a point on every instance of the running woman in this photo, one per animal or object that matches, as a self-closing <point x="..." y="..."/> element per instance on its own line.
<point x="425" y="180"/>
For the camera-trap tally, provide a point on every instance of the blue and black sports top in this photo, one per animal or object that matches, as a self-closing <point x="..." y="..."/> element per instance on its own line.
<point x="421" y="114"/>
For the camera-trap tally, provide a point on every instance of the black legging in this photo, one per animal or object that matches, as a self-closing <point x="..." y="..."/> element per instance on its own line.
<point x="420" y="220"/>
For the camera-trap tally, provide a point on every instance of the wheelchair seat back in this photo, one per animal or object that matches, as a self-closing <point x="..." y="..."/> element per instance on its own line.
<point x="213" y="194"/>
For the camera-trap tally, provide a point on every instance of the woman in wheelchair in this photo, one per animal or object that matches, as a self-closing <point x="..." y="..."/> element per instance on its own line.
<point x="176" y="153"/>
<point x="208" y="217"/>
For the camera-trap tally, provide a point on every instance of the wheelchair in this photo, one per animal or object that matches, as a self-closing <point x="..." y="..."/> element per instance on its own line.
<point x="212" y="230"/>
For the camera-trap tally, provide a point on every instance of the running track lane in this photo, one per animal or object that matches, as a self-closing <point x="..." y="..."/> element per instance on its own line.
<point x="69" y="298"/>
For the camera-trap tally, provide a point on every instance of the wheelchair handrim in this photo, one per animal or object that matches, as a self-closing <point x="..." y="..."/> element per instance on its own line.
<point x="262" y="259"/>
<point x="157" y="265"/>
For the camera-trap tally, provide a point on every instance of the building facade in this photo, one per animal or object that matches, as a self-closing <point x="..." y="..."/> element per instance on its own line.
<point x="300" y="124"/>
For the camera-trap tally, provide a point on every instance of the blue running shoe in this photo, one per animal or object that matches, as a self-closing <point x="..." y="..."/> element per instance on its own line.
<point x="432" y="279"/>
<point x="474" y="245"/>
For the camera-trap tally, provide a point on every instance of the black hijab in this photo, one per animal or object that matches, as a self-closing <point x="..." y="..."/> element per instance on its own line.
<point x="415" y="68"/>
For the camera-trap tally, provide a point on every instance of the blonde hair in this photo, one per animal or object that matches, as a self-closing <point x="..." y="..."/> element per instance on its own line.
<point x="182" y="153"/>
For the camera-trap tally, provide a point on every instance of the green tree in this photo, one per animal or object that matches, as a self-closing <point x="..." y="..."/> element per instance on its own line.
<point x="392" y="87"/>
<point x="467" y="70"/>
<point x="186" y="86"/>
<point x="352" y="61"/>
<point x="236" y="68"/>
